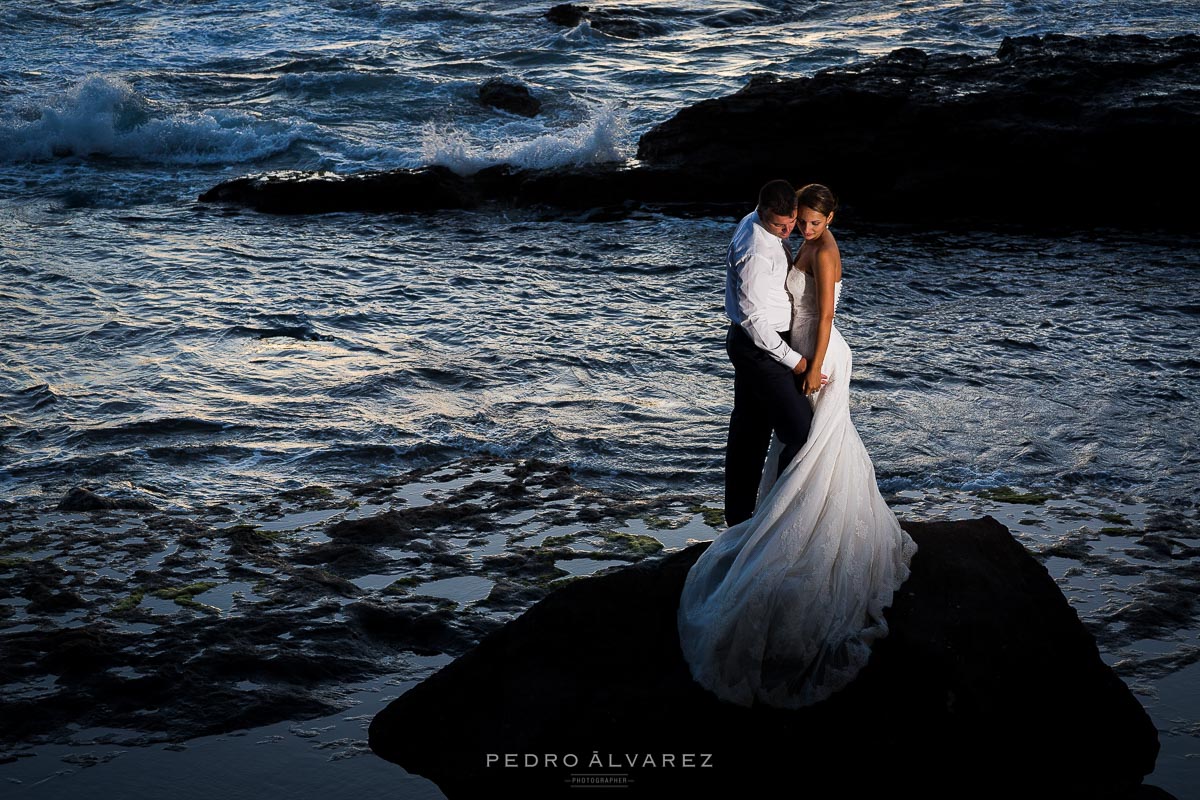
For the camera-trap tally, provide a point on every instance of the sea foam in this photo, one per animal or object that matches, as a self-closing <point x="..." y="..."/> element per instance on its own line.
<point x="105" y="116"/>
<point x="596" y="140"/>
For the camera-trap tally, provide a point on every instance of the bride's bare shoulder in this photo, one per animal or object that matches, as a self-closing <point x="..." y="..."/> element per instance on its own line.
<point x="827" y="258"/>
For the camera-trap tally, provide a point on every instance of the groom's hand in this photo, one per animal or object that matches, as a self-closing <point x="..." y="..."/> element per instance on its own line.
<point x="801" y="367"/>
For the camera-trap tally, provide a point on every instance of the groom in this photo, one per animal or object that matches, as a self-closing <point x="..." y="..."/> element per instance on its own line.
<point x="765" y="367"/>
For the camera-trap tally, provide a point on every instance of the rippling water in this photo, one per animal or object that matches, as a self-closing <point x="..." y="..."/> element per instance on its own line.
<point x="292" y="349"/>
<point x="150" y="341"/>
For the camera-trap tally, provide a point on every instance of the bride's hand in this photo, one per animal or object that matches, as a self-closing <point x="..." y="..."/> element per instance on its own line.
<point x="813" y="381"/>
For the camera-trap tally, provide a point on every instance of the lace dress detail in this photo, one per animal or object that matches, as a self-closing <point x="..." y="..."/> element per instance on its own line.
<point x="782" y="609"/>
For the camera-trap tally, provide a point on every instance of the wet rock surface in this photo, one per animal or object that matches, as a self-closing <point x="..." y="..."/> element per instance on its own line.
<point x="1037" y="128"/>
<point x="183" y="623"/>
<point x="594" y="193"/>
<point x="1034" y="134"/>
<point x="985" y="668"/>
<point x="131" y="629"/>
<point x="295" y="192"/>
<point x="82" y="499"/>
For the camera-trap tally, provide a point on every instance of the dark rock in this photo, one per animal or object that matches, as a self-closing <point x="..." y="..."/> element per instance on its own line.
<point x="455" y="561"/>
<point x="248" y="540"/>
<point x="625" y="28"/>
<point x="624" y="23"/>
<point x="406" y="524"/>
<point x="41" y="575"/>
<point x="345" y="559"/>
<point x="234" y="662"/>
<point x="297" y="649"/>
<point x="43" y="600"/>
<point x="388" y="526"/>
<point x="420" y="629"/>
<point x="738" y="18"/>
<point x="316" y="494"/>
<point x="311" y="583"/>
<point x="509" y="96"/>
<point x="987" y="686"/>
<point x="512" y="595"/>
<point x="525" y="565"/>
<point x="224" y="709"/>
<point x="135" y="504"/>
<point x="571" y="189"/>
<point x="567" y="14"/>
<point x="75" y="651"/>
<point x="411" y="190"/>
<point x="1045" y="133"/>
<point x="81" y="499"/>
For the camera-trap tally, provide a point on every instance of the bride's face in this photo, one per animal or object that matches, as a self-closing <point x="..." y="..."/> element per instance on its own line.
<point x="811" y="224"/>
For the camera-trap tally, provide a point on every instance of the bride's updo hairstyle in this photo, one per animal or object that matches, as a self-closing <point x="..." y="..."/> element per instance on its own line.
<point x="818" y="198"/>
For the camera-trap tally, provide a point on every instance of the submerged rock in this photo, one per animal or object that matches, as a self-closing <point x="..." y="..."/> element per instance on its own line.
<point x="623" y="23"/>
<point x="1047" y="131"/>
<point x="988" y="685"/>
<point x="567" y="14"/>
<point x="509" y="96"/>
<point x="295" y="192"/>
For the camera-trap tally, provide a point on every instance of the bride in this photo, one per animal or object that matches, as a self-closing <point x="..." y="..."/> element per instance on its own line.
<point x="781" y="609"/>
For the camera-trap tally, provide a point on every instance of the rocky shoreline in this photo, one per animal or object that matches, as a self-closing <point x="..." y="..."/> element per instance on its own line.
<point x="1047" y="131"/>
<point x="133" y="619"/>
<point x="128" y="611"/>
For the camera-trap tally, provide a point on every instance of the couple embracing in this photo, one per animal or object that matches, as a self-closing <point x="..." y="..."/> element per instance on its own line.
<point x="782" y="607"/>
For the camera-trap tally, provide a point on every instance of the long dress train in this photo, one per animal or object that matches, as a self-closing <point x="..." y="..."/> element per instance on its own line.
<point x="782" y="609"/>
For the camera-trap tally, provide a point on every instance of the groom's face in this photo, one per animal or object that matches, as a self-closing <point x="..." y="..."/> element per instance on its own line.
<point x="780" y="226"/>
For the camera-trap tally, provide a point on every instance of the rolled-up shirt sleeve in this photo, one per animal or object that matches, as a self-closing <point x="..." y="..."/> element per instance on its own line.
<point x="757" y="280"/>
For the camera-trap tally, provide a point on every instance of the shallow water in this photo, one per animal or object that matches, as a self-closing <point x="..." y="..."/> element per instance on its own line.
<point x="285" y="758"/>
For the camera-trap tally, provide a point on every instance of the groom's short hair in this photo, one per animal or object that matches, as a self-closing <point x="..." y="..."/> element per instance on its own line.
<point x="778" y="198"/>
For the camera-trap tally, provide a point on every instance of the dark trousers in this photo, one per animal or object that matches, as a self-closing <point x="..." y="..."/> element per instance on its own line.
<point x="767" y="396"/>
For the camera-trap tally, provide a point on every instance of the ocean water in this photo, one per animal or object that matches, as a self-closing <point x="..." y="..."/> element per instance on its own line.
<point x="213" y="351"/>
<point x="153" y="344"/>
<point x="143" y="330"/>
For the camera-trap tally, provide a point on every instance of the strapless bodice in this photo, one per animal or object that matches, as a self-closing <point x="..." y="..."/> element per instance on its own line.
<point x="803" y="291"/>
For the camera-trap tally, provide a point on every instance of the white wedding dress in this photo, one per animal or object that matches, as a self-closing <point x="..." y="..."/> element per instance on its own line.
<point x="781" y="609"/>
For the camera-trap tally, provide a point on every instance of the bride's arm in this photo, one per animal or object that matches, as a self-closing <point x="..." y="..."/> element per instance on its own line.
<point x="825" y="275"/>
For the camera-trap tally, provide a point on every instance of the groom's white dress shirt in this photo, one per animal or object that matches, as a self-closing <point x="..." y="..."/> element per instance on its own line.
<point x="755" y="297"/>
